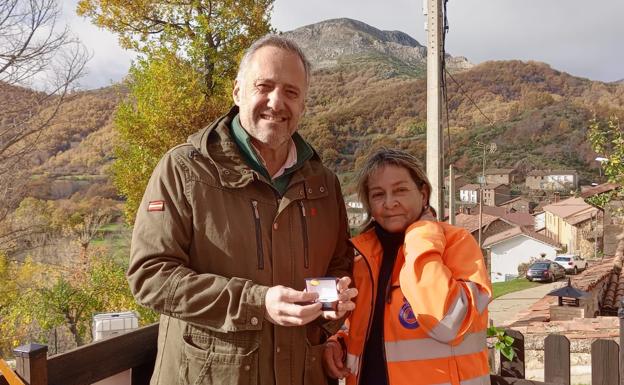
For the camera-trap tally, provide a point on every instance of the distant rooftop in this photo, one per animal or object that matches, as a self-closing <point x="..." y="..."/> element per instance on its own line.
<point x="518" y="231"/>
<point x="496" y="171"/>
<point x="551" y="172"/>
<point x="573" y="210"/>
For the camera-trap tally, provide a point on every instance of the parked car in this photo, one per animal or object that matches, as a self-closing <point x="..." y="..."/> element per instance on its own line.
<point x="572" y="263"/>
<point x="545" y="270"/>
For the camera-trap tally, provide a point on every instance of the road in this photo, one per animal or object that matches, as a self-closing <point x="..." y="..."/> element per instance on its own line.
<point x="506" y="307"/>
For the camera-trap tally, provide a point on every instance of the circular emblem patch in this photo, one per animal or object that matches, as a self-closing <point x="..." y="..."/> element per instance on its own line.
<point x="406" y="316"/>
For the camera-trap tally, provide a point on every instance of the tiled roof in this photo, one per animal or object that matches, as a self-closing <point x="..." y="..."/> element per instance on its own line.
<point x="602" y="188"/>
<point x="596" y="272"/>
<point x="569" y="207"/>
<point x="494" y="210"/>
<point x="471" y="222"/>
<point x="470" y="187"/>
<point x="582" y="217"/>
<point x="513" y="200"/>
<point x="493" y="186"/>
<point x="551" y="172"/>
<point x="514" y="232"/>
<point x="520" y="219"/>
<point x="494" y="171"/>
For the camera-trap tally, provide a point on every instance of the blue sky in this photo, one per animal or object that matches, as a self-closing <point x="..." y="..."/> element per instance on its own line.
<point x="582" y="38"/>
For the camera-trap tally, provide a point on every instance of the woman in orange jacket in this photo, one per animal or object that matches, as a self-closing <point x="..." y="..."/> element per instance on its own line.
<point x="423" y="289"/>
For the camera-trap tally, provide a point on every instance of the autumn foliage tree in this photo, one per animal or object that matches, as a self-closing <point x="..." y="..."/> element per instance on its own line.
<point x="35" y="50"/>
<point x="189" y="51"/>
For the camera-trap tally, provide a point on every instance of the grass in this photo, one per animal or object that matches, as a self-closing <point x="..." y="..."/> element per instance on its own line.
<point x="502" y="288"/>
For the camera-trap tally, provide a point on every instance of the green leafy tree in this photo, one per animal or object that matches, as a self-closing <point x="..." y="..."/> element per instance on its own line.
<point x="211" y="34"/>
<point x="37" y="299"/>
<point x="607" y="139"/>
<point x="167" y="104"/>
<point x="189" y="52"/>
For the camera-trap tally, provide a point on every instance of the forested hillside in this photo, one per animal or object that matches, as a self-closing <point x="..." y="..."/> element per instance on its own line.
<point x="367" y="90"/>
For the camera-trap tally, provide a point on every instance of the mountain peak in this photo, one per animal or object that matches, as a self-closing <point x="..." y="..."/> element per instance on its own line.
<point x="330" y="41"/>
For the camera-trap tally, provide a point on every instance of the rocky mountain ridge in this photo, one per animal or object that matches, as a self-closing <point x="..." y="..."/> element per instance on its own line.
<point x="329" y="42"/>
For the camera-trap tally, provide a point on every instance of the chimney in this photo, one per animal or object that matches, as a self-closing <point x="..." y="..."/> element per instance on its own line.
<point x="556" y="196"/>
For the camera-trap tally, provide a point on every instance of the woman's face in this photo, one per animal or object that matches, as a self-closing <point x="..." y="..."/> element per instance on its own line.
<point x="395" y="200"/>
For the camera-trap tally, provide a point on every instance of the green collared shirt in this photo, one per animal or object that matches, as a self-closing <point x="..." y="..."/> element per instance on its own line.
<point x="243" y="140"/>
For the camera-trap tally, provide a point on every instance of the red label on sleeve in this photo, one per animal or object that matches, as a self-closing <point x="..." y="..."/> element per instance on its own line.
<point x="156" y="206"/>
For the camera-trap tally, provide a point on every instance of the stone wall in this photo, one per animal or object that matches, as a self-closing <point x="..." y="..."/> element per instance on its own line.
<point x="563" y="313"/>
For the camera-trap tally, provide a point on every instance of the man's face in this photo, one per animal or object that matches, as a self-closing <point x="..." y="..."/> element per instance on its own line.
<point x="271" y="96"/>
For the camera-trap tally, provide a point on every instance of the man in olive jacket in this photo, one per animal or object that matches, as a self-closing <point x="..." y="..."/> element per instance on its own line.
<point x="230" y="225"/>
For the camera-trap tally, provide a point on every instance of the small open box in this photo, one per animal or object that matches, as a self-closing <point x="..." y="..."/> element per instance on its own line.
<point x="327" y="290"/>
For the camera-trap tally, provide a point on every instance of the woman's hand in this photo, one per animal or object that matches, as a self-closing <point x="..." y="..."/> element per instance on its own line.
<point x="333" y="357"/>
<point x="345" y="303"/>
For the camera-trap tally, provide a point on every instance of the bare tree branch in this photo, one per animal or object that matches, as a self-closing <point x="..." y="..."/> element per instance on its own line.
<point x="35" y="52"/>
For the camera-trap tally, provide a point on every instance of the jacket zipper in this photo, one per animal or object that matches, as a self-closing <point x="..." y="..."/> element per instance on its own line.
<point x="259" y="251"/>
<point x="370" y="318"/>
<point x="388" y="295"/>
<point x="306" y="258"/>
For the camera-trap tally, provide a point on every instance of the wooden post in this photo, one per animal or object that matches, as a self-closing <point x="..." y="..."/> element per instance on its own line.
<point x="514" y="368"/>
<point x="32" y="363"/>
<point x="604" y="363"/>
<point x="557" y="359"/>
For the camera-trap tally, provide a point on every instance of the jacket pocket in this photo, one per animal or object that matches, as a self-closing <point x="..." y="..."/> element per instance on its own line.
<point x="304" y="231"/>
<point x="259" y="250"/>
<point x="314" y="373"/>
<point x="203" y="367"/>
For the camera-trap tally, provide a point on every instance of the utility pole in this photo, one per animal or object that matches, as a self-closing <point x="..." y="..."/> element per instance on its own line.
<point x="451" y="185"/>
<point x="486" y="148"/>
<point x="480" y="195"/>
<point x="435" y="168"/>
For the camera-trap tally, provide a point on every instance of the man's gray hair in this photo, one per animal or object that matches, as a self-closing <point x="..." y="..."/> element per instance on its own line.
<point x="277" y="41"/>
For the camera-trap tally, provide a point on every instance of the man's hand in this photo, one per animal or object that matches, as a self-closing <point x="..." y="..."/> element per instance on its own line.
<point x="345" y="295"/>
<point x="282" y="308"/>
<point x="333" y="360"/>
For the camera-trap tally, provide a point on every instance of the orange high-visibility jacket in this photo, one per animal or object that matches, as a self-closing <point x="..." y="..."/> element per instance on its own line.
<point x="435" y="318"/>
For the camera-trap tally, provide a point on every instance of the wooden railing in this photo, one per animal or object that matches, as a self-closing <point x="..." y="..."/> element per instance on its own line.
<point x="136" y="350"/>
<point x="87" y="364"/>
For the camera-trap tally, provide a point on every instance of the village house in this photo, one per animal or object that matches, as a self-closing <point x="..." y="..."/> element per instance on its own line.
<point x="502" y="176"/>
<point x="552" y="180"/>
<point x="519" y="204"/>
<point x="491" y="224"/>
<point x="508" y="249"/>
<point x="468" y="194"/>
<point x="539" y="219"/>
<point x="574" y="224"/>
<point x="495" y="194"/>
<point x="514" y="218"/>
<point x="613" y="210"/>
<point x="356" y="213"/>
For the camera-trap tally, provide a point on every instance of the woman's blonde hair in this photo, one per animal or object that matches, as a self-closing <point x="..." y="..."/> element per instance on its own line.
<point x="390" y="157"/>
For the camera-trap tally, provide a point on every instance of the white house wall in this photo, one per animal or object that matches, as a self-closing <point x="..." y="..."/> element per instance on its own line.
<point x="507" y="255"/>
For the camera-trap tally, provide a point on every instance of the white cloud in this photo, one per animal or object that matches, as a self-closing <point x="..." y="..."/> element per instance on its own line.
<point x="110" y="63"/>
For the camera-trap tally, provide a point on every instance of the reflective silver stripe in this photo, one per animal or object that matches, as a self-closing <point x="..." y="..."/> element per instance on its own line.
<point x="481" y="298"/>
<point x="353" y="363"/>
<point x="446" y="330"/>
<point x="483" y="380"/>
<point x="428" y="348"/>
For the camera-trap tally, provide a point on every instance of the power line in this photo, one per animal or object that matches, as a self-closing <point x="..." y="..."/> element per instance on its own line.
<point x="443" y="78"/>
<point x="463" y="92"/>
